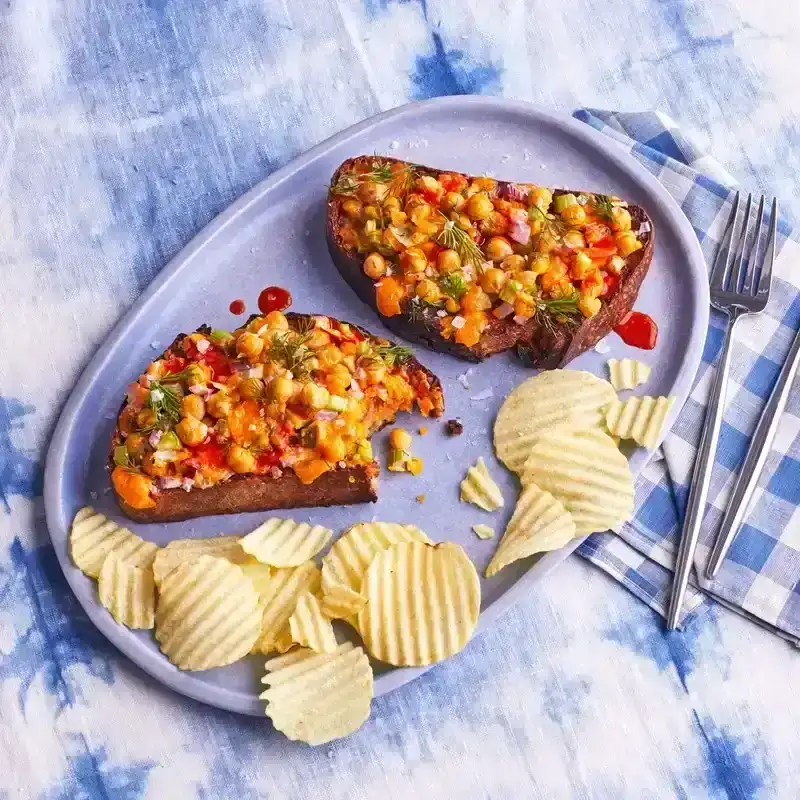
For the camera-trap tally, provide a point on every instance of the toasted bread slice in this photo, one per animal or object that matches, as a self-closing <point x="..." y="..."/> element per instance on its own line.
<point x="277" y="414"/>
<point x="474" y="266"/>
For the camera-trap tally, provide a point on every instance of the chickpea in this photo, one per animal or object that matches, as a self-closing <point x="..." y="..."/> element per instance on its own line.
<point x="498" y="248"/>
<point x="622" y="218"/>
<point x="589" y="306"/>
<point x="249" y="345"/>
<point x="191" y="431"/>
<point x="276" y="321"/>
<point x="193" y="406"/>
<point x="155" y="370"/>
<point x="372" y="192"/>
<point x="453" y="201"/>
<point x="240" y="460"/>
<point x="328" y="356"/>
<point x="463" y="222"/>
<point x="452" y="305"/>
<point x="574" y="239"/>
<point x="146" y="418"/>
<point x="333" y="449"/>
<point x="376" y="373"/>
<point x="315" y="396"/>
<point x="427" y="183"/>
<point x="219" y="405"/>
<point x="282" y="389"/>
<point x="252" y="389"/>
<point x="392" y="203"/>
<point x="493" y="280"/>
<point x="448" y="261"/>
<point x="428" y="290"/>
<point x="485" y="183"/>
<point x="371" y="212"/>
<point x="479" y="206"/>
<point x="574" y="214"/>
<point x="627" y="243"/>
<point x="397" y="217"/>
<point x="540" y="264"/>
<point x="528" y="279"/>
<point x="352" y="208"/>
<point x="513" y="263"/>
<point x="413" y="260"/>
<point x="197" y="374"/>
<point x="375" y="266"/>
<point x="582" y="266"/>
<point x="317" y="339"/>
<point x="400" y="439"/>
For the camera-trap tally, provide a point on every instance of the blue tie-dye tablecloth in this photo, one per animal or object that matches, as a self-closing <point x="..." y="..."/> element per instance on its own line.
<point x="125" y="127"/>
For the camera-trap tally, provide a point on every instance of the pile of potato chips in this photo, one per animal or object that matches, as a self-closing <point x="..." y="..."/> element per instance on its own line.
<point x="559" y="432"/>
<point x="213" y="601"/>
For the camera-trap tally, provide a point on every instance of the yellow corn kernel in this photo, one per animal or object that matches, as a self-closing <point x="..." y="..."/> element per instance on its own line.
<point x="627" y="243"/>
<point x="589" y="306"/>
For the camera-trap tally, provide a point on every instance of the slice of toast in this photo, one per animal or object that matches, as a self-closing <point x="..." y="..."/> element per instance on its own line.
<point x="277" y="414"/>
<point x="474" y="266"/>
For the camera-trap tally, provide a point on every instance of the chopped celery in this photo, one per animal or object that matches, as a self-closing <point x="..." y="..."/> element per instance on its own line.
<point x="221" y="337"/>
<point x="563" y="201"/>
<point x="336" y="403"/>
<point x="121" y="457"/>
<point x="169" y="441"/>
<point x="509" y="291"/>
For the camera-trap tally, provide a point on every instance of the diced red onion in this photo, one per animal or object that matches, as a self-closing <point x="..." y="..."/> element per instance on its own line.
<point x="202" y="345"/>
<point x="256" y="372"/>
<point x="187" y="484"/>
<point x="136" y="395"/>
<point x="275" y="472"/>
<point x="459" y="322"/>
<point x="520" y="320"/>
<point x="355" y="389"/>
<point x="237" y="366"/>
<point x="503" y="310"/>
<point x="327" y="416"/>
<point x="513" y="191"/>
<point x="169" y="483"/>
<point x="520" y="232"/>
<point x="155" y="438"/>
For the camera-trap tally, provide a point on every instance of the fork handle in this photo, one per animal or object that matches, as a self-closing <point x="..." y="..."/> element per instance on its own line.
<point x="701" y="476"/>
<point x="754" y="460"/>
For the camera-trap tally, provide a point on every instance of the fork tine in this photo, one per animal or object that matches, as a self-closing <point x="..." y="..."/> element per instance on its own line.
<point x="737" y="272"/>
<point x="769" y="256"/>
<point x="722" y="261"/>
<point x="752" y="259"/>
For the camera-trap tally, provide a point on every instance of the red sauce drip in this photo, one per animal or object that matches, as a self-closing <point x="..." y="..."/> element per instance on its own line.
<point x="237" y="307"/>
<point x="609" y="284"/>
<point x="210" y="454"/>
<point x="638" y="330"/>
<point x="268" y="459"/>
<point x="273" y="298"/>
<point x="218" y="361"/>
<point x="174" y="364"/>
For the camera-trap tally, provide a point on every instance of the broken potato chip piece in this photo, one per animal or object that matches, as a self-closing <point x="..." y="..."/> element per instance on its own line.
<point x="285" y="543"/>
<point x="639" y="418"/>
<point x="179" y="550"/>
<point x="627" y="373"/>
<point x="422" y="605"/>
<point x="310" y="627"/>
<point x="208" y="614"/>
<point x="480" y="489"/>
<point x="93" y="536"/>
<point x="128" y="592"/>
<point x="586" y="472"/>
<point x="540" y="523"/>
<point x="279" y="598"/>
<point x="318" y="697"/>
<point x="352" y="553"/>
<point x="539" y="403"/>
<point x="340" y="601"/>
<point x="483" y="531"/>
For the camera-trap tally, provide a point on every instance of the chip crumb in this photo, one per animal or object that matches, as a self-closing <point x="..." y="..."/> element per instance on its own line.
<point x="483" y="531"/>
<point x="420" y="498"/>
<point x="394" y="144"/>
<point x="93" y="495"/>
<point x="154" y="345"/>
<point x="422" y="431"/>
<point x="351" y="479"/>
<point x="454" y="427"/>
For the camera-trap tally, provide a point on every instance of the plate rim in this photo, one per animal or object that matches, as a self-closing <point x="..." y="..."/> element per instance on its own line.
<point x="153" y="662"/>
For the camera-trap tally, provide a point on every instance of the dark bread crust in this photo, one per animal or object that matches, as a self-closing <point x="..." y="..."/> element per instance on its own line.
<point x="537" y="344"/>
<point x="243" y="493"/>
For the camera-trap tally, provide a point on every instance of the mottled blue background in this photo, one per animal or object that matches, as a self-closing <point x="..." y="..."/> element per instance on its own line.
<point x="126" y="125"/>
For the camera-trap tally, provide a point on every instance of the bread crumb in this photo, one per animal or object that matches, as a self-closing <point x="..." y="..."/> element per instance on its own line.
<point x="423" y="431"/>
<point x="420" y="498"/>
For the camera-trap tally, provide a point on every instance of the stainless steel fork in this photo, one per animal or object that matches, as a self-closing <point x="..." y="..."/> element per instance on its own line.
<point x="734" y="290"/>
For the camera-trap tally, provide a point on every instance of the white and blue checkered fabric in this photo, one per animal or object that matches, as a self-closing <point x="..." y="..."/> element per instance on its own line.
<point x="761" y="575"/>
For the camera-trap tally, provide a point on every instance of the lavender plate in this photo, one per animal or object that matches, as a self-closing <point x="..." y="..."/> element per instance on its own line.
<point x="275" y="235"/>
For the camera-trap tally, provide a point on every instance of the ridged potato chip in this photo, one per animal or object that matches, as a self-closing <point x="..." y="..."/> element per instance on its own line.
<point x="639" y="418"/>
<point x="128" y="592"/>
<point x="422" y="605"/>
<point x="341" y="602"/>
<point x="279" y="599"/>
<point x="627" y="373"/>
<point x="480" y="489"/>
<point x="93" y="536"/>
<point x="586" y="472"/>
<point x="283" y="641"/>
<point x="286" y="543"/>
<point x="180" y="550"/>
<point x="350" y="556"/>
<point x="318" y="697"/>
<point x="548" y="399"/>
<point x="208" y="614"/>
<point x="540" y="523"/>
<point x="260" y="574"/>
<point x="309" y="627"/>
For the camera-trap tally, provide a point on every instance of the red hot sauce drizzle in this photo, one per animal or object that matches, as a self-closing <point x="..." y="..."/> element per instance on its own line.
<point x="638" y="330"/>
<point x="273" y="298"/>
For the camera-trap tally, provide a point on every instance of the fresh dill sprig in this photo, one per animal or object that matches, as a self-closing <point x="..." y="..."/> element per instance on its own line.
<point x="552" y="225"/>
<point x="453" y="285"/>
<point x="165" y="402"/>
<point x="379" y="172"/>
<point x="556" y="310"/>
<point x="416" y="312"/>
<point x="393" y="354"/>
<point x="290" y="349"/>
<point x="453" y="238"/>
<point x="176" y="377"/>
<point x="603" y="206"/>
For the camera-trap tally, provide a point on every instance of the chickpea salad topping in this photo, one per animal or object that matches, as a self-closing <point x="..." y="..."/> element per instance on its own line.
<point x="282" y="392"/>
<point x="478" y="250"/>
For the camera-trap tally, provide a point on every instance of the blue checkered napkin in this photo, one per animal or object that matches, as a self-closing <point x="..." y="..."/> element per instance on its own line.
<point x="760" y="577"/>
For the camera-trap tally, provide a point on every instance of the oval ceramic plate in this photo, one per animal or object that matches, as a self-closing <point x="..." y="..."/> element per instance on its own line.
<point x="275" y="235"/>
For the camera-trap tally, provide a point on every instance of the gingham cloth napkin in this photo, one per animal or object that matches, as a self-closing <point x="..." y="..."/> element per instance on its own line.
<point x="761" y="574"/>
